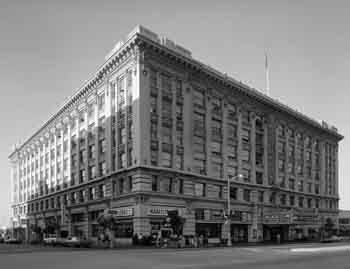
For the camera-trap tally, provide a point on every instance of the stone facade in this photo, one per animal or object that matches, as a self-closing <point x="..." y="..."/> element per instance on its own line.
<point x="156" y="130"/>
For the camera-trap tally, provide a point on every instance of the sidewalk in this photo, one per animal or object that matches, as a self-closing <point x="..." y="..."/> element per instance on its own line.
<point x="320" y="249"/>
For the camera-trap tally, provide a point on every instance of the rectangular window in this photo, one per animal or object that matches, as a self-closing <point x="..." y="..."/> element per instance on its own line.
<point x="291" y="200"/>
<point x="92" y="172"/>
<point x="166" y="184"/>
<point x="246" y="175"/>
<point x="309" y="203"/>
<point x="283" y="199"/>
<point x="199" y="189"/>
<point x="301" y="202"/>
<point x="233" y="193"/>
<point x="301" y="186"/>
<point x="154" y="183"/>
<point x="261" y="196"/>
<point x="102" y="190"/>
<point x="103" y="168"/>
<point x="246" y="195"/>
<point x="291" y="184"/>
<point x="166" y="159"/>
<point x="101" y="102"/>
<point x="309" y="187"/>
<point x="259" y="178"/>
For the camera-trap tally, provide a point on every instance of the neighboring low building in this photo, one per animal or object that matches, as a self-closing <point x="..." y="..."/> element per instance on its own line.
<point x="344" y="222"/>
<point x="156" y="130"/>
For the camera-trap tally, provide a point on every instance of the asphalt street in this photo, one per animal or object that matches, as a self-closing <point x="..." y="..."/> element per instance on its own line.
<point x="244" y="257"/>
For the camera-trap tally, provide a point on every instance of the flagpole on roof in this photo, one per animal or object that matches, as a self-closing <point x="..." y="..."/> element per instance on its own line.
<point x="267" y="75"/>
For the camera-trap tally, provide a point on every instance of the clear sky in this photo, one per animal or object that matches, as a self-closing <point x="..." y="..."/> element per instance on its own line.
<point x="48" y="48"/>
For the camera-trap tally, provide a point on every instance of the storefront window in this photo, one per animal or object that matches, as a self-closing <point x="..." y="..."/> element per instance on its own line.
<point x="165" y="184"/>
<point x="208" y="230"/>
<point x="95" y="230"/>
<point x="199" y="189"/>
<point x="123" y="230"/>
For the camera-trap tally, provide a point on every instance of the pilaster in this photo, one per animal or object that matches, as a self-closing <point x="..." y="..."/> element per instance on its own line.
<point x="188" y="128"/>
<point x="253" y="148"/>
<point x="265" y="162"/>
<point x="239" y="144"/>
<point x="108" y="132"/>
<point x="208" y="120"/>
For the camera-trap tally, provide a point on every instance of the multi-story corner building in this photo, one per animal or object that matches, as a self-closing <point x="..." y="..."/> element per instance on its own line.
<point x="156" y="130"/>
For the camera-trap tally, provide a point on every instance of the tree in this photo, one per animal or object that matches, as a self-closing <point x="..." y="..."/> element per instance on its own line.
<point x="38" y="232"/>
<point x="329" y="226"/>
<point x="176" y="222"/>
<point x="52" y="226"/>
<point x="107" y="222"/>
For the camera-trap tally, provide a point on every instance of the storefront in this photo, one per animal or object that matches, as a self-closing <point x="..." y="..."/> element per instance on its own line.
<point x="239" y="233"/>
<point x="276" y="225"/>
<point x="209" y="223"/>
<point x="157" y="216"/>
<point x="123" y="227"/>
<point x="208" y="229"/>
<point x="240" y="221"/>
<point x="78" y="221"/>
<point x="305" y="226"/>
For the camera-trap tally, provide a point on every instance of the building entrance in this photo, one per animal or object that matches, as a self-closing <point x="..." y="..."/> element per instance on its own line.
<point x="276" y="233"/>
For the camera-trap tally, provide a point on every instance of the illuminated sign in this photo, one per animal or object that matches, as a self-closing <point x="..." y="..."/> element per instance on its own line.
<point x="121" y="212"/>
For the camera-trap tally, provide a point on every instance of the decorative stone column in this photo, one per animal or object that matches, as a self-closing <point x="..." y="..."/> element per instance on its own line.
<point x="69" y="151"/>
<point x="189" y="228"/>
<point x="160" y="118"/>
<point x="141" y="115"/>
<point x="225" y="139"/>
<point x="239" y="138"/>
<point x="253" y="148"/>
<point x="108" y="132"/>
<point x="97" y="149"/>
<point x="208" y="120"/>
<point x="255" y="228"/>
<point x="188" y="128"/>
<point x="266" y="175"/>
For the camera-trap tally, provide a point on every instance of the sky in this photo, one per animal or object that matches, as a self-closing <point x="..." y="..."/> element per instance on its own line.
<point x="49" y="48"/>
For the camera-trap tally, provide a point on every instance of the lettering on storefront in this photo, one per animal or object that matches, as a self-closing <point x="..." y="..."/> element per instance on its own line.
<point x="206" y="214"/>
<point x="277" y="218"/>
<point x="161" y="211"/>
<point x="217" y="215"/>
<point x="121" y="212"/>
<point x="305" y="219"/>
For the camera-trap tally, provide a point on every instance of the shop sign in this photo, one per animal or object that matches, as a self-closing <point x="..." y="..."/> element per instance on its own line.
<point x="277" y="218"/>
<point x="161" y="211"/>
<point x="121" y="212"/>
<point x="206" y="214"/>
<point x="246" y="217"/>
<point x="217" y="215"/>
<point x="305" y="218"/>
<point x="236" y="216"/>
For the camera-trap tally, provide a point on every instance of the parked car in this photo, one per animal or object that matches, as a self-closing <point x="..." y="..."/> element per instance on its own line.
<point x="331" y="239"/>
<point x="2" y="240"/>
<point x="12" y="240"/>
<point x="74" y="241"/>
<point x="50" y="239"/>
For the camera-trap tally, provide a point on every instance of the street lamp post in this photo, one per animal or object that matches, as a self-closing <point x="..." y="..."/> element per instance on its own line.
<point x="229" y="243"/>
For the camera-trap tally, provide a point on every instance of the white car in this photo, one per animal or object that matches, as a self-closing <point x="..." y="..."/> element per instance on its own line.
<point x="50" y="239"/>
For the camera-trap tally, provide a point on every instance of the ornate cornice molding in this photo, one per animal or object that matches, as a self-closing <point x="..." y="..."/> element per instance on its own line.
<point x="116" y="61"/>
<point x="133" y="49"/>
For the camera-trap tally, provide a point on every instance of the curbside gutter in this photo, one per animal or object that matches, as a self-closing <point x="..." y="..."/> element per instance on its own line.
<point x="321" y="249"/>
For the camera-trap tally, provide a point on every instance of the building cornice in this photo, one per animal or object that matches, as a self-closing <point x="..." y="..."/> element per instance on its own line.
<point x="110" y="65"/>
<point x="227" y="81"/>
<point x="143" y="37"/>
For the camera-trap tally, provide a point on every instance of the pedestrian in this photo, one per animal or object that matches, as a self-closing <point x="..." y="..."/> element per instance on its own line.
<point x="201" y="240"/>
<point x="278" y="237"/>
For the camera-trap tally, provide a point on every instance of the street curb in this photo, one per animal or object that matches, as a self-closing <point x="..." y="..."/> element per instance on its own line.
<point x="321" y="249"/>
